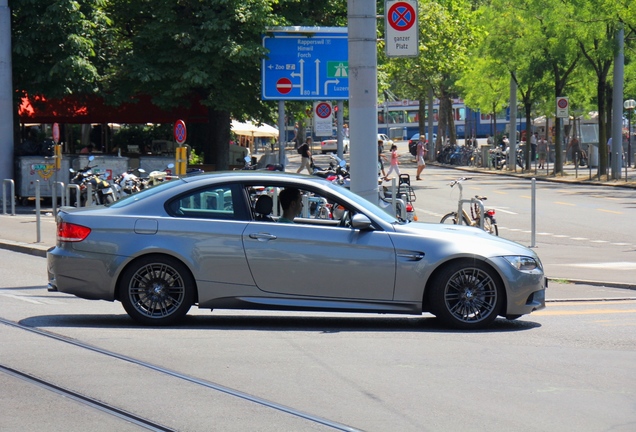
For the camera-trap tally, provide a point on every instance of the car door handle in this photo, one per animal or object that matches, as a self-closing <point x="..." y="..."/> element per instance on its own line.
<point x="262" y="236"/>
<point x="415" y="256"/>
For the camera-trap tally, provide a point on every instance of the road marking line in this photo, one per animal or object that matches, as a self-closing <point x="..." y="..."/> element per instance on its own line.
<point x="587" y="312"/>
<point x="564" y="203"/>
<point x="17" y="297"/>
<point x="579" y="238"/>
<point x="561" y="236"/>
<point x="610" y="211"/>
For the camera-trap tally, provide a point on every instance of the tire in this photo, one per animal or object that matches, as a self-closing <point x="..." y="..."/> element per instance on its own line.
<point x="157" y="290"/>
<point x="490" y="227"/>
<point x="466" y="295"/>
<point x="109" y="199"/>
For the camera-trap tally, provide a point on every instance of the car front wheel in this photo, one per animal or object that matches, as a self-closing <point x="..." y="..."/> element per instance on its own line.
<point x="466" y="295"/>
<point x="157" y="290"/>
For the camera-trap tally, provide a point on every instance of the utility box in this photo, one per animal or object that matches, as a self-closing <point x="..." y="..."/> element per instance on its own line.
<point x="29" y="169"/>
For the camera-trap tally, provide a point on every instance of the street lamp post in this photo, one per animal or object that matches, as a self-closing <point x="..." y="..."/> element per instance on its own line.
<point x="629" y="105"/>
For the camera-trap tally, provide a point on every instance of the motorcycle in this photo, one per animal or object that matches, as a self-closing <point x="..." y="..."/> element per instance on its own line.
<point x="102" y="192"/>
<point x="156" y="177"/>
<point x="128" y="183"/>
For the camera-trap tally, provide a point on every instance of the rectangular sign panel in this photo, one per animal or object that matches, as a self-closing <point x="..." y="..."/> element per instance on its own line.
<point x="306" y="66"/>
<point x="402" y="28"/>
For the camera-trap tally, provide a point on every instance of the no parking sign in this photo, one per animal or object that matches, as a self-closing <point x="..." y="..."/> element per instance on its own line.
<point x="323" y="119"/>
<point x="402" y="29"/>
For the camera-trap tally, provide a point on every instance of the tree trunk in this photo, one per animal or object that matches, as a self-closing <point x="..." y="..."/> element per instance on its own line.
<point x="218" y="139"/>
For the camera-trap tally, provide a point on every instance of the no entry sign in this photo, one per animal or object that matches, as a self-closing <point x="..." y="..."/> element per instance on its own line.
<point x="402" y="28"/>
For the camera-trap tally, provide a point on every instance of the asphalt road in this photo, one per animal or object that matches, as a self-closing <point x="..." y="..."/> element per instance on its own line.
<point x="568" y="367"/>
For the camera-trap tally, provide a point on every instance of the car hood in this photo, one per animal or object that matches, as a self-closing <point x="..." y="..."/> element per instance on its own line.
<point x="470" y="239"/>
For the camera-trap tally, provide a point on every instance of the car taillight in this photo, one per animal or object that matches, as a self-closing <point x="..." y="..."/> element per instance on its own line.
<point x="68" y="232"/>
<point x="490" y="212"/>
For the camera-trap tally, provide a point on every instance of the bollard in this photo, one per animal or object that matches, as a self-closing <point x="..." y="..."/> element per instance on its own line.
<point x="12" y="196"/>
<point x="533" y="212"/>
<point x="78" y="193"/>
<point x="37" y="212"/>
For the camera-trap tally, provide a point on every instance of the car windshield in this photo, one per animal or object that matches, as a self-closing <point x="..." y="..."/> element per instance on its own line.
<point x="366" y="205"/>
<point x="144" y="193"/>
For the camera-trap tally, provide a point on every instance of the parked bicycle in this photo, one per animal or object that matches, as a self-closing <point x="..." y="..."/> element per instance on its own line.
<point x="479" y="216"/>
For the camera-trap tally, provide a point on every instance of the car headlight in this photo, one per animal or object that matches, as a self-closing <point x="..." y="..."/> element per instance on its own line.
<point x="523" y="263"/>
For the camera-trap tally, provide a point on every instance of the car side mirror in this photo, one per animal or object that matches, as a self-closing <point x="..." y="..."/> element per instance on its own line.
<point x="361" y="222"/>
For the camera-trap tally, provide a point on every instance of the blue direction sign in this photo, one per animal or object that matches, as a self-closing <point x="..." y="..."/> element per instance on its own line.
<point x="306" y="66"/>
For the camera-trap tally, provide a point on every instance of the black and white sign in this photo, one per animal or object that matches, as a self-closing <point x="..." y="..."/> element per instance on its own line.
<point x="402" y="28"/>
<point x="562" y="107"/>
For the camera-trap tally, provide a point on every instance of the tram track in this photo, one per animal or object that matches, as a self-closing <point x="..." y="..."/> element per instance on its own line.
<point x="165" y="371"/>
<point x="86" y="400"/>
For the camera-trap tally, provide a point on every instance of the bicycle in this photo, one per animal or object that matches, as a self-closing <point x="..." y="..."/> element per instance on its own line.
<point x="474" y="219"/>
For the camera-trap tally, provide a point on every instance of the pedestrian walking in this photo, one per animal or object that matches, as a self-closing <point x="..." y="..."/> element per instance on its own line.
<point x="394" y="168"/>
<point x="306" y="160"/>
<point x="421" y="156"/>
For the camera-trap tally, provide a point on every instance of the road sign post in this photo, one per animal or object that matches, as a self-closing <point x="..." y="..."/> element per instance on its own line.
<point x="402" y="28"/>
<point x="181" y="154"/>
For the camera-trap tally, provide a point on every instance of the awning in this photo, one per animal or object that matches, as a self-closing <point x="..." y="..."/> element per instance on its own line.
<point x="248" y="128"/>
<point x="93" y="109"/>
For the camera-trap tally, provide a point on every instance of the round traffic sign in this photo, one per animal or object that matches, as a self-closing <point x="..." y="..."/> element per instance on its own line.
<point x="401" y="16"/>
<point x="284" y="85"/>
<point x="180" y="132"/>
<point x="562" y="103"/>
<point x="323" y="110"/>
<point x="56" y="133"/>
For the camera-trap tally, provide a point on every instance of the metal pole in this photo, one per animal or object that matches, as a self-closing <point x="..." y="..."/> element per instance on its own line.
<point x="512" y="126"/>
<point x="617" y="105"/>
<point x="533" y="212"/>
<point x="363" y="97"/>
<point x="6" y="93"/>
<point x="282" y="133"/>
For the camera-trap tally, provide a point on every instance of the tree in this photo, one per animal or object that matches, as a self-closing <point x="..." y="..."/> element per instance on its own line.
<point x="447" y="32"/>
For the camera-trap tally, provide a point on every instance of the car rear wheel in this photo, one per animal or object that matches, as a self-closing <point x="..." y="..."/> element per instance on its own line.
<point x="157" y="290"/>
<point x="466" y="295"/>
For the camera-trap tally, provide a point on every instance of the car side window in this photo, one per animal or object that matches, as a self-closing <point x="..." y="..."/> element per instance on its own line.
<point x="216" y="202"/>
<point x="317" y="209"/>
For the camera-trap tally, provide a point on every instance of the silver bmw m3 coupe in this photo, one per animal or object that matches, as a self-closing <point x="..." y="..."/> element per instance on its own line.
<point x="217" y="241"/>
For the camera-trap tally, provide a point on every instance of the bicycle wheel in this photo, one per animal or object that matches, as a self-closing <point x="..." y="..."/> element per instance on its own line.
<point x="451" y="218"/>
<point x="490" y="227"/>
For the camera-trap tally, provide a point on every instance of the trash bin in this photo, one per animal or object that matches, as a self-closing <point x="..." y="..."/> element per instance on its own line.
<point x="592" y="155"/>
<point x="485" y="155"/>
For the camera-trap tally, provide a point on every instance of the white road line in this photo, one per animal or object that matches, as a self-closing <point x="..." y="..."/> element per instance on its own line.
<point x="23" y="298"/>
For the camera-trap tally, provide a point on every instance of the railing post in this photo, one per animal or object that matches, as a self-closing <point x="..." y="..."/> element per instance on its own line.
<point x="37" y="212"/>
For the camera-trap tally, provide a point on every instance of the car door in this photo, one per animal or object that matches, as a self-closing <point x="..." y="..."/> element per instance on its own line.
<point x="320" y="260"/>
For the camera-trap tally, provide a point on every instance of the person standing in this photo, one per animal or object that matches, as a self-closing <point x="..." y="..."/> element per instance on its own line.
<point x="576" y="150"/>
<point x="305" y="153"/>
<point x="381" y="157"/>
<point x="394" y="163"/>
<point x="421" y="156"/>
<point x="533" y="143"/>
<point x="542" y="149"/>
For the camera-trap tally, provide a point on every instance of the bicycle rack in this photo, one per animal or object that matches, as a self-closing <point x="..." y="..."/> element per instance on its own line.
<point x="78" y="201"/>
<point x="54" y="196"/>
<point x="460" y="208"/>
<point x="11" y="197"/>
